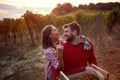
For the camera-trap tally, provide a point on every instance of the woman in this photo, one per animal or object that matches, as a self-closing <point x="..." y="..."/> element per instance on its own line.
<point x="50" y="36"/>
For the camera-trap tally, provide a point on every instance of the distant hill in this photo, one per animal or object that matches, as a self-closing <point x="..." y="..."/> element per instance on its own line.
<point x="62" y="9"/>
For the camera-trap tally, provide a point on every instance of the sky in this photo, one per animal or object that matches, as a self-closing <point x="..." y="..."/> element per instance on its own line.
<point x="16" y="8"/>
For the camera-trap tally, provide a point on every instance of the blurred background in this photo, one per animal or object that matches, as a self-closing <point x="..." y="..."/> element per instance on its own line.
<point x="21" y="22"/>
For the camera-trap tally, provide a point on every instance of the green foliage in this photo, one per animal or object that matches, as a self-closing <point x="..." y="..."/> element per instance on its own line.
<point x="59" y="21"/>
<point x="85" y="17"/>
<point x="112" y="17"/>
<point x="33" y="20"/>
<point x="48" y="19"/>
<point x="32" y="24"/>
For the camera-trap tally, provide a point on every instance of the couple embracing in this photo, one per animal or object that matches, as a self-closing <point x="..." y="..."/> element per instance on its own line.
<point x="72" y="55"/>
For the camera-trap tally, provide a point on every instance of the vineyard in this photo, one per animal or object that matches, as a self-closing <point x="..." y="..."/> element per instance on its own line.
<point x="21" y="57"/>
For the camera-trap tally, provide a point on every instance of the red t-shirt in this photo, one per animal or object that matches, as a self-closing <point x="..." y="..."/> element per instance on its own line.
<point x="76" y="58"/>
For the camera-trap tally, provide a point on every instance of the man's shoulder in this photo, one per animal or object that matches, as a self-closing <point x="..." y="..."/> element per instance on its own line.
<point x="87" y="42"/>
<point x="85" y="38"/>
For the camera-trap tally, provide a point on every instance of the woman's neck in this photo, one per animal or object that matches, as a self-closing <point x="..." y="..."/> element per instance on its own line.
<point x="54" y="42"/>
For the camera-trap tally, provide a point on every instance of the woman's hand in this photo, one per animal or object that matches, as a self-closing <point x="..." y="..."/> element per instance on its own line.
<point x="59" y="49"/>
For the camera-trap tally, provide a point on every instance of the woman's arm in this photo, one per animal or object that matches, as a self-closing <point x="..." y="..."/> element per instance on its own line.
<point x="49" y="55"/>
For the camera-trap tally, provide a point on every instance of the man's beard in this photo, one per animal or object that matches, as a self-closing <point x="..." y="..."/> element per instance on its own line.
<point x="70" y="38"/>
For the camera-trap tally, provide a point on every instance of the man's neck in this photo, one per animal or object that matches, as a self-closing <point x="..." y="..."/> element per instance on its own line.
<point x="76" y="40"/>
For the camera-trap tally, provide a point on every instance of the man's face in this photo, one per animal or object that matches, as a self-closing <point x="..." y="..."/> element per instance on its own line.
<point x="68" y="34"/>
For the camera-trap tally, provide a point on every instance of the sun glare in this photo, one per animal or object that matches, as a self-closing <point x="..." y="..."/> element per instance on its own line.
<point x="3" y="12"/>
<point x="36" y="11"/>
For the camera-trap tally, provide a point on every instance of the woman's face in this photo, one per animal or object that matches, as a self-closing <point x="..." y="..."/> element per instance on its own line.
<point x="54" y="33"/>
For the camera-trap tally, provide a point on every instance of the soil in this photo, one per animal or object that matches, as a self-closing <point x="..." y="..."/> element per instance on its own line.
<point x="106" y="46"/>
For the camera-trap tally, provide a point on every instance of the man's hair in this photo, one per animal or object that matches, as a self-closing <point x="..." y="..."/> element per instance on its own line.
<point x="73" y="26"/>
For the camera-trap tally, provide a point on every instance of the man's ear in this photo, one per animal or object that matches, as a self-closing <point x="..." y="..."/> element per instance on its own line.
<point x="50" y="35"/>
<point x="74" y="32"/>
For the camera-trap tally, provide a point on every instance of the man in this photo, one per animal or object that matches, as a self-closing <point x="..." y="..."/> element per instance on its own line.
<point x="78" y="51"/>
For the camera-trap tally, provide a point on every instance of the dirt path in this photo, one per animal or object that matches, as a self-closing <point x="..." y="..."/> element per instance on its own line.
<point x="23" y="64"/>
<point x="106" y="48"/>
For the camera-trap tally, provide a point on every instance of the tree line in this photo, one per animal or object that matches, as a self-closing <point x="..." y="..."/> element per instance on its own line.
<point x="62" y="9"/>
<point x="29" y="26"/>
